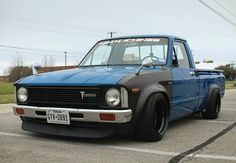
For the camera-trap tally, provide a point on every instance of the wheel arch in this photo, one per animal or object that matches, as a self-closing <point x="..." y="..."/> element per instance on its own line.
<point x="210" y="91"/>
<point x="210" y="111"/>
<point x="145" y="95"/>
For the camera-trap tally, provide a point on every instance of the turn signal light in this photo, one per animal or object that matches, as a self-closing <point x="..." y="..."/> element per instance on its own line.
<point x="20" y="111"/>
<point x="107" y="117"/>
<point x="135" y="90"/>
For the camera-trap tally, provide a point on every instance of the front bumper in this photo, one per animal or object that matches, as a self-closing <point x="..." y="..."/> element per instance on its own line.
<point x="89" y="115"/>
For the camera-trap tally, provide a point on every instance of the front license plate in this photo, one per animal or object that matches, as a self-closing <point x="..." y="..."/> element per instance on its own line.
<point x="58" y="116"/>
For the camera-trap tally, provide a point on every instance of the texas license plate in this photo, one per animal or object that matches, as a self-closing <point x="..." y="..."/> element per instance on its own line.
<point x="58" y="116"/>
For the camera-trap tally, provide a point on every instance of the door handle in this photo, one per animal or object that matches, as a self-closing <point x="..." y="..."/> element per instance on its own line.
<point x="192" y="73"/>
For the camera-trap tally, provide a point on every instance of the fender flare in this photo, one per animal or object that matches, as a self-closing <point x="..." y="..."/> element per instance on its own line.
<point x="212" y="87"/>
<point x="144" y="96"/>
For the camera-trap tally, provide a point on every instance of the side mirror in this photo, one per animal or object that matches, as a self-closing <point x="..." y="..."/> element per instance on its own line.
<point x="148" y="62"/>
<point x="36" y="68"/>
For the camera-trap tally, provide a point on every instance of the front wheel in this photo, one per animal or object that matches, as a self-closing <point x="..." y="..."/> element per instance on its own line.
<point x="154" y="121"/>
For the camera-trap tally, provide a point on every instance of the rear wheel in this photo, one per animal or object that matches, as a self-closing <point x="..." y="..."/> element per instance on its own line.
<point x="213" y="108"/>
<point x="154" y="121"/>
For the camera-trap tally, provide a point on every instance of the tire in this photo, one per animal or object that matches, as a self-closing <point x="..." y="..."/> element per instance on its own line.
<point x="154" y="121"/>
<point x="213" y="107"/>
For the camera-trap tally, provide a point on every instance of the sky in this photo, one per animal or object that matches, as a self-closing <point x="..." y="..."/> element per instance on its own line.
<point x="55" y="26"/>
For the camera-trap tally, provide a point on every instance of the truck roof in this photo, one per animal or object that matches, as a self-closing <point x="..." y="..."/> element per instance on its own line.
<point x="145" y="36"/>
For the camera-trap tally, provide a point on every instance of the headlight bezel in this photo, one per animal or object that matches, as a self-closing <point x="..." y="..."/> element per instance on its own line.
<point x="111" y="91"/>
<point x="124" y="96"/>
<point x="24" y="93"/>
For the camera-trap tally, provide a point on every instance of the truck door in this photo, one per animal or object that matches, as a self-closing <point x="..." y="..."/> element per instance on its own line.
<point x="185" y="86"/>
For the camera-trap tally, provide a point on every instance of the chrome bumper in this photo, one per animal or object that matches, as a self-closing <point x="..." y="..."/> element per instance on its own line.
<point x="89" y="115"/>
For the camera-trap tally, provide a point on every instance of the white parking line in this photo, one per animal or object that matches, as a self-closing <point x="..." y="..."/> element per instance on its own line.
<point x="11" y="134"/>
<point x="214" y="121"/>
<point x="142" y="150"/>
<point x="228" y="109"/>
<point x="216" y="157"/>
<point x="208" y="121"/>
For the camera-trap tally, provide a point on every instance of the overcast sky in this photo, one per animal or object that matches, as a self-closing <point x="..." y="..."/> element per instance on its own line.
<point x="74" y="26"/>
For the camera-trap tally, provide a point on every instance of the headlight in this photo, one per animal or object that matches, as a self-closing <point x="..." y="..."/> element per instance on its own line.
<point x="112" y="97"/>
<point x="22" y="94"/>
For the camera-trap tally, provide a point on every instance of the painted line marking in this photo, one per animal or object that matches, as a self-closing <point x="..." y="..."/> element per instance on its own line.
<point x="142" y="150"/>
<point x="213" y="121"/>
<point x="208" y="121"/>
<point x="4" y="112"/>
<point x="228" y="109"/>
<point x="217" y="157"/>
<point x="12" y="134"/>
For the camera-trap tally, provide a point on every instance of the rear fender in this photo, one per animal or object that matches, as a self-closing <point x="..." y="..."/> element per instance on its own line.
<point x="211" y="89"/>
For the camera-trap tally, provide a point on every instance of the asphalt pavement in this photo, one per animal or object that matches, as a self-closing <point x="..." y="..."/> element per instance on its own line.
<point x="191" y="139"/>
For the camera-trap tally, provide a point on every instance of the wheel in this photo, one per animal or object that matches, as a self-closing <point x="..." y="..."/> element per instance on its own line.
<point x="154" y="121"/>
<point x="213" y="108"/>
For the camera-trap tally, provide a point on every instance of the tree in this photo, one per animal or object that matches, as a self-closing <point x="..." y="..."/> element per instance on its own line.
<point x="228" y="71"/>
<point x="48" y="61"/>
<point x="17" y="70"/>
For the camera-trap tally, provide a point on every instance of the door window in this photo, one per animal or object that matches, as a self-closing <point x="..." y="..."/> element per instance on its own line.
<point x="180" y="57"/>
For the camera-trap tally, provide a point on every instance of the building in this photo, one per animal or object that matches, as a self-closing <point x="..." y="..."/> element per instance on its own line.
<point x="4" y="78"/>
<point x="55" y="68"/>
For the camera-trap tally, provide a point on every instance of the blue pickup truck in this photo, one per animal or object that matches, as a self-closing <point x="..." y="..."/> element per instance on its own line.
<point x="128" y="85"/>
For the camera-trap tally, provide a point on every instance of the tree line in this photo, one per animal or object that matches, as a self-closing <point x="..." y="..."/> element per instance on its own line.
<point x="18" y="70"/>
<point x="229" y="71"/>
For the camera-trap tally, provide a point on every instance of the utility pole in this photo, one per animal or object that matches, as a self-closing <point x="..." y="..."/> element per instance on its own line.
<point x="111" y="33"/>
<point x="65" y="58"/>
<point x="232" y="64"/>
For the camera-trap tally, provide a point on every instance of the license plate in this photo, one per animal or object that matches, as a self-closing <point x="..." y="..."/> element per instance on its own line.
<point x="58" y="116"/>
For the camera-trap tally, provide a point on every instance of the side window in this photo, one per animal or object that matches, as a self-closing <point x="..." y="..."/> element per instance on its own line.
<point x="180" y="56"/>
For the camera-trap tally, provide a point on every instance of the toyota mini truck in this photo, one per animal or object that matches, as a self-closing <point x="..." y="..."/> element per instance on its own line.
<point x="128" y="85"/>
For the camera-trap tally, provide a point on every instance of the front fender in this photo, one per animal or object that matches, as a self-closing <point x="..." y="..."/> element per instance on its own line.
<point x="149" y="82"/>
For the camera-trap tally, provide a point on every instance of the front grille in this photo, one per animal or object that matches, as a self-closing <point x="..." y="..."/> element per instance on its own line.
<point x="64" y="97"/>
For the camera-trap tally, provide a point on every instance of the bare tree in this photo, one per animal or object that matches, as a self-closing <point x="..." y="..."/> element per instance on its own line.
<point x="17" y="69"/>
<point x="17" y="61"/>
<point x="45" y="61"/>
<point x="48" y="61"/>
<point x="51" y="61"/>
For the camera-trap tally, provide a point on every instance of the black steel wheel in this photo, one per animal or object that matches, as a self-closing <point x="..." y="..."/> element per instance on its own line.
<point x="154" y="121"/>
<point x="213" y="107"/>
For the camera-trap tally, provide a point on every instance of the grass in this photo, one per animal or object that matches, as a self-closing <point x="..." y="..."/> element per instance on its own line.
<point x="6" y="88"/>
<point x="7" y="91"/>
<point x="230" y="84"/>
<point x="5" y="99"/>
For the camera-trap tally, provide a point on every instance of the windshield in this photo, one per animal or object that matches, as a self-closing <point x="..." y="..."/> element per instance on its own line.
<point x="127" y="52"/>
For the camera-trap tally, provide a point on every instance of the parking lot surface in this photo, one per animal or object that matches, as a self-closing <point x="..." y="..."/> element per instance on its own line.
<point x="191" y="139"/>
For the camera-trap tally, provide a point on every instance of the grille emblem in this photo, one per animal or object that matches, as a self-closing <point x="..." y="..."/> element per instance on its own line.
<point x="84" y="94"/>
